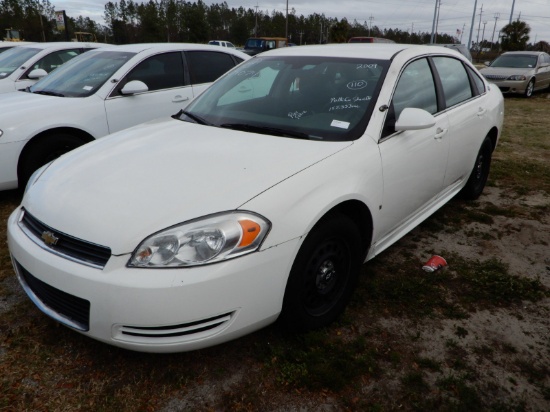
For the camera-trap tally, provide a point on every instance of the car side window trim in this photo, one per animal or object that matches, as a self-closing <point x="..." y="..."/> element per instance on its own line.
<point x="473" y="87"/>
<point x="115" y="92"/>
<point x="440" y="98"/>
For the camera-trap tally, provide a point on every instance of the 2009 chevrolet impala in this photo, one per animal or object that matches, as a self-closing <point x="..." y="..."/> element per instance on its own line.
<point x="259" y="201"/>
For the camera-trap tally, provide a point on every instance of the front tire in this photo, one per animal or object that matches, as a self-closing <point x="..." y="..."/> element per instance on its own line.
<point x="480" y="173"/>
<point x="530" y="88"/>
<point x="43" y="151"/>
<point x="323" y="276"/>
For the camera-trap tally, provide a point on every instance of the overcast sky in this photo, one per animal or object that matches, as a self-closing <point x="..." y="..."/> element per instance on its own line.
<point x="408" y="15"/>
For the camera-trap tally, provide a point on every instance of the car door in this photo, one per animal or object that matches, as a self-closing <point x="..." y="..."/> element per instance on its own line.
<point x="206" y="66"/>
<point x="465" y="104"/>
<point x="413" y="161"/>
<point x="167" y="93"/>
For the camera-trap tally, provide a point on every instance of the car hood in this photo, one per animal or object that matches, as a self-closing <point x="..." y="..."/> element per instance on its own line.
<point x="16" y="103"/>
<point x="124" y="187"/>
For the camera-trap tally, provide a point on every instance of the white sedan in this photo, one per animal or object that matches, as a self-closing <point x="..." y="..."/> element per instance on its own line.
<point x="98" y="93"/>
<point x="259" y="201"/>
<point x="24" y="65"/>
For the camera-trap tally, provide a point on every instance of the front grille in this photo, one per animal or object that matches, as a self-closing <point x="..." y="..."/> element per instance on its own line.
<point x="177" y="330"/>
<point x="495" y="77"/>
<point x="63" y="307"/>
<point x="64" y="245"/>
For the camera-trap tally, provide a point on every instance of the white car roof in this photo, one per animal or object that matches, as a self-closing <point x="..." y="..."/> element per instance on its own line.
<point x="141" y="47"/>
<point x="382" y="51"/>
<point x="62" y="45"/>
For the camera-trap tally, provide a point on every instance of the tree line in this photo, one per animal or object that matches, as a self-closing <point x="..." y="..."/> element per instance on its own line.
<point x="129" y="21"/>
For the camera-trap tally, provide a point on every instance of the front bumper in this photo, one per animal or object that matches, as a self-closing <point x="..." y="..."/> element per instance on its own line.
<point x="155" y="310"/>
<point x="510" y="86"/>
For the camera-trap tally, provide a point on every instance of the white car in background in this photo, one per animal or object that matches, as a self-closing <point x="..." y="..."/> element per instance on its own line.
<point x="6" y="45"/>
<point x="98" y="93"/>
<point x="24" y="65"/>
<point x="222" y="43"/>
<point x="260" y="200"/>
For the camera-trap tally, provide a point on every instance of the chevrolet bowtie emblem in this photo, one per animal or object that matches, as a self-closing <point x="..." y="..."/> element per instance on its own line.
<point x="49" y="238"/>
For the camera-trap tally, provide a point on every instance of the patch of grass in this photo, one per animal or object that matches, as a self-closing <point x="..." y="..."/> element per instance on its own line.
<point x="427" y="363"/>
<point x="522" y="175"/>
<point x="489" y="283"/>
<point x="414" y="381"/>
<point x="463" y="396"/>
<point x="533" y="370"/>
<point x="315" y="361"/>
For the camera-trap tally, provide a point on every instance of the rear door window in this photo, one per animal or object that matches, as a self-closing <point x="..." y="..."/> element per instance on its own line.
<point x="207" y="66"/>
<point x="454" y="79"/>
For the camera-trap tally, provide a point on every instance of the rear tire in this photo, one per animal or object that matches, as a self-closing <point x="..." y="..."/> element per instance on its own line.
<point x="43" y="151"/>
<point x="323" y="276"/>
<point x="480" y="173"/>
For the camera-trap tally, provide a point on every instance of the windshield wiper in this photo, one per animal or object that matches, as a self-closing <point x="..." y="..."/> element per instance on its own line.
<point x="266" y="130"/>
<point x="192" y="116"/>
<point x="49" y="93"/>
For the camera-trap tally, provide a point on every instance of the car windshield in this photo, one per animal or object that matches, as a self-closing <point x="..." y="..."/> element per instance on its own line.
<point x="254" y="44"/>
<point x="518" y="61"/>
<point x="83" y="75"/>
<point x="321" y="98"/>
<point x="12" y="58"/>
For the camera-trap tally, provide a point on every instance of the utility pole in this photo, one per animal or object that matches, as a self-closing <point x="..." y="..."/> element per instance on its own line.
<point x="512" y="12"/>
<point x="483" y="35"/>
<point x="433" y="24"/>
<point x="286" y="28"/>
<point x="437" y="22"/>
<point x="370" y="23"/>
<point x="462" y="32"/>
<point x="256" y="25"/>
<point x="497" y="16"/>
<point x="479" y="26"/>
<point x="472" y="26"/>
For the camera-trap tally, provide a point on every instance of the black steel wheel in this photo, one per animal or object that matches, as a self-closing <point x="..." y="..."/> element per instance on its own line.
<point x="480" y="173"/>
<point x="323" y="275"/>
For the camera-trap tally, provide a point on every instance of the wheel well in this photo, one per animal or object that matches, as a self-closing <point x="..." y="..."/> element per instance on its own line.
<point x="360" y="214"/>
<point x="77" y="133"/>
<point x="493" y="135"/>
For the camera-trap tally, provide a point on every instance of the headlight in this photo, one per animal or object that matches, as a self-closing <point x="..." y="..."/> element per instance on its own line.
<point x="517" y="77"/>
<point x="206" y="240"/>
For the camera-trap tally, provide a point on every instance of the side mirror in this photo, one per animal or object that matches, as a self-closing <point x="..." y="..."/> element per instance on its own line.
<point x="134" y="87"/>
<point x="37" y="74"/>
<point x="414" y="119"/>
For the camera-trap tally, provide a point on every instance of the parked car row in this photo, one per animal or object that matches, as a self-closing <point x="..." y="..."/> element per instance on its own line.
<point x="23" y="65"/>
<point x="259" y="200"/>
<point x="103" y="91"/>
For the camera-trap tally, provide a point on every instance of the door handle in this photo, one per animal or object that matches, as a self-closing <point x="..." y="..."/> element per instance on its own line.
<point x="481" y="111"/>
<point x="179" y="98"/>
<point x="439" y="133"/>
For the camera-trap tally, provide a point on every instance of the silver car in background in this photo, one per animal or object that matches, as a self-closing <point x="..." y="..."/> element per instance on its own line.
<point x="521" y="72"/>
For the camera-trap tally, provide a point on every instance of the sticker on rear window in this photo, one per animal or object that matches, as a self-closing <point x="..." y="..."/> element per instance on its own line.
<point x="88" y="88"/>
<point x="340" y="124"/>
